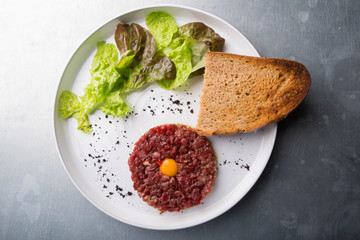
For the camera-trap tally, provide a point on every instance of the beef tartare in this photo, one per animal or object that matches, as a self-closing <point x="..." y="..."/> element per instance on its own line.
<point x="172" y="167"/>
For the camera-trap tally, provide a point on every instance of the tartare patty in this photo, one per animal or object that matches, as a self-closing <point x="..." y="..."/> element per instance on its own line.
<point x="196" y="167"/>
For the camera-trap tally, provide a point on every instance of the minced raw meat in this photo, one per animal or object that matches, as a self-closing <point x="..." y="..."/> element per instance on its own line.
<point x="194" y="158"/>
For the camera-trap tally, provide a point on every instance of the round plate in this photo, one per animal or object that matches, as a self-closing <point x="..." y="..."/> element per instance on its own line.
<point x="97" y="162"/>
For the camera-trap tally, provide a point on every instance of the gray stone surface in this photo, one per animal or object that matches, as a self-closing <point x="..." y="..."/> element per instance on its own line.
<point x="310" y="188"/>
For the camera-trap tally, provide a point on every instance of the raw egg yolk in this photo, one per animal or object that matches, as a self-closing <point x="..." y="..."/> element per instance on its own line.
<point x="168" y="167"/>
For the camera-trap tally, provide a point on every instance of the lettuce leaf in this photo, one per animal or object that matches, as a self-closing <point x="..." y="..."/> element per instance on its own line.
<point x="198" y="51"/>
<point x="104" y="77"/>
<point x="71" y="107"/>
<point x="201" y="32"/>
<point x="180" y="53"/>
<point x="161" y="68"/>
<point x="69" y="104"/>
<point x="115" y="105"/>
<point x="186" y="46"/>
<point x="162" y="26"/>
<point x="136" y="38"/>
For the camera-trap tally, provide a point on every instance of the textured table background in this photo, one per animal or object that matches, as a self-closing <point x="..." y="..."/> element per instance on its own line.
<point x="310" y="188"/>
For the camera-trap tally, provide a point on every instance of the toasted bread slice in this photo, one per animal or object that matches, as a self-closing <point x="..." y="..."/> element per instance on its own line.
<point x="242" y="93"/>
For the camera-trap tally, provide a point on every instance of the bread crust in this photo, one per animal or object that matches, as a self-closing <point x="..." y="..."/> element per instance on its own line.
<point x="243" y="93"/>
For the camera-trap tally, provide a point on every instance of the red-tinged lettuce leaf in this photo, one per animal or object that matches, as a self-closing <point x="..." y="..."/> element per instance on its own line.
<point x="201" y="32"/>
<point x="161" y="68"/>
<point x="136" y="38"/>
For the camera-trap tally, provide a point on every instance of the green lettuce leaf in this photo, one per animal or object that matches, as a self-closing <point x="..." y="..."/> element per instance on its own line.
<point x="163" y="27"/>
<point x="102" y="80"/>
<point x="198" y="51"/>
<point x="69" y="104"/>
<point x="83" y="122"/>
<point x="115" y="105"/>
<point x="126" y="64"/>
<point x="104" y="77"/>
<point x="180" y="53"/>
<point x="105" y="57"/>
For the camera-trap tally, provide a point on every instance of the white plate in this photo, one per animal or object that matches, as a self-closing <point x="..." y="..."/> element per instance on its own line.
<point x="97" y="163"/>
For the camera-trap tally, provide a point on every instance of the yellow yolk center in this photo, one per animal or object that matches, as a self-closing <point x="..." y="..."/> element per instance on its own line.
<point x="168" y="167"/>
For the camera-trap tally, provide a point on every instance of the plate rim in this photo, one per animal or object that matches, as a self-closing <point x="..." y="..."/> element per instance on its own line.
<point x="55" y="115"/>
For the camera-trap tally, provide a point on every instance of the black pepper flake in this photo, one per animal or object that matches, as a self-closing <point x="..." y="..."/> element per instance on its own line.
<point x="117" y="188"/>
<point x="192" y="110"/>
<point x="129" y="193"/>
<point x="151" y="90"/>
<point x="104" y="186"/>
<point x="111" y="193"/>
<point x="246" y="166"/>
<point x="110" y="122"/>
<point x="117" y="142"/>
<point x="108" y="180"/>
<point x="106" y="116"/>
